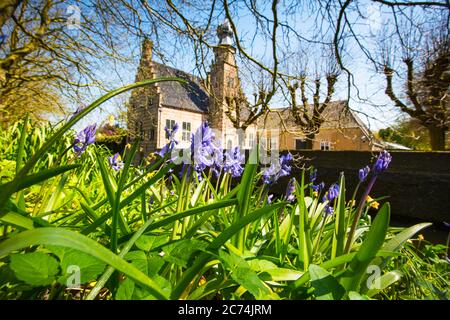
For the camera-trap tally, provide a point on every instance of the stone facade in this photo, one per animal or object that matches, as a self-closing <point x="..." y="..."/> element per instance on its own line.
<point x="152" y="108"/>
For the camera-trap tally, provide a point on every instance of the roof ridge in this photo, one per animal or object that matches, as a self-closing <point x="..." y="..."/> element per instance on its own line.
<point x="179" y="70"/>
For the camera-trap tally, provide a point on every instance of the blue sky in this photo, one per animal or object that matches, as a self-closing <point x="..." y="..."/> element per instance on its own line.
<point x="370" y="84"/>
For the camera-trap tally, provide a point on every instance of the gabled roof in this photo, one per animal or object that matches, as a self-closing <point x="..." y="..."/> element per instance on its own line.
<point x="336" y="115"/>
<point x="190" y="97"/>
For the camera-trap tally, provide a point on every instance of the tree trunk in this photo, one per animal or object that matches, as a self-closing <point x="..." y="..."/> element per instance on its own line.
<point x="437" y="137"/>
<point x="7" y="9"/>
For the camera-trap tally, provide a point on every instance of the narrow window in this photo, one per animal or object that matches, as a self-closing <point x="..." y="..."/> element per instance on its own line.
<point x="152" y="134"/>
<point x="169" y="125"/>
<point x="186" y="134"/>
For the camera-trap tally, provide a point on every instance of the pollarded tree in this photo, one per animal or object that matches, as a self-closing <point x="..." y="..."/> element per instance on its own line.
<point x="427" y="93"/>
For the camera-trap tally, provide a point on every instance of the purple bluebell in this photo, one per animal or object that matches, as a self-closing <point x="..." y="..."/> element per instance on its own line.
<point x="290" y="196"/>
<point x="382" y="162"/>
<point x="363" y="173"/>
<point x="273" y="173"/>
<point x="328" y="209"/>
<point x="84" y="138"/>
<point x="269" y="198"/>
<point x="115" y="162"/>
<point x="172" y="142"/>
<point x="233" y="162"/>
<point x="318" y="187"/>
<point x="204" y="148"/>
<point x="333" y="192"/>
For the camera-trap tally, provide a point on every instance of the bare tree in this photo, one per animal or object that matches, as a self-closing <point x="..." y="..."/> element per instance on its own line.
<point x="427" y="80"/>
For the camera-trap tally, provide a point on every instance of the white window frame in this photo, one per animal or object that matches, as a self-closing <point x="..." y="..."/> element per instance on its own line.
<point x="169" y="125"/>
<point x="325" y="145"/>
<point x="186" y="131"/>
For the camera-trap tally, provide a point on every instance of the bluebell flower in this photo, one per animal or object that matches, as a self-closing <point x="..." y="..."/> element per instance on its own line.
<point x="363" y="173"/>
<point x="233" y="162"/>
<point x="84" y="138"/>
<point x="115" y="162"/>
<point x="172" y="142"/>
<point x="272" y="174"/>
<point x="328" y="209"/>
<point x="333" y="192"/>
<point x="269" y="198"/>
<point x="204" y="148"/>
<point x="382" y="162"/>
<point x="290" y="196"/>
<point x="318" y="187"/>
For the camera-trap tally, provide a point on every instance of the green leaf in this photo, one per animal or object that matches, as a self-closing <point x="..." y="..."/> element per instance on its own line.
<point x="138" y="259"/>
<point x="17" y="220"/>
<point x="35" y="178"/>
<point x="340" y="227"/>
<point x="147" y="243"/>
<point x="125" y="290"/>
<point x="180" y="252"/>
<point x="21" y="149"/>
<point x="395" y="243"/>
<point x="74" y="240"/>
<point x="89" y="266"/>
<point x="326" y="287"/>
<point x="241" y="272"/>
<point x="244" y="195"/>
<point x="36" y="268"/>
<point x="190" y="273"/>
<point x="269" y="271"/>
<point x="368" y="250"/>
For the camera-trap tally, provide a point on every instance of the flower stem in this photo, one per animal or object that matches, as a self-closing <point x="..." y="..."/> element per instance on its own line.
<point x="358" y="213"/>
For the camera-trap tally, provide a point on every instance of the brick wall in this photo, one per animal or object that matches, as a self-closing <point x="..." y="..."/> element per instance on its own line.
<point x="417" y="183"/>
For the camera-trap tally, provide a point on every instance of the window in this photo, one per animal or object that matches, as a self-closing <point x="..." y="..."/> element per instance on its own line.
<point x="300" y="144"/>
<point x="186" y="135"/>
<point x="325" y="145"/>
<point x="150" y="101"/>
<point x="169" y="125"/>
<point x="151" y="134"/>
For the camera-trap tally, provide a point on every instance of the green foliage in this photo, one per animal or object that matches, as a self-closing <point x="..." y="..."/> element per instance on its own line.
<point x="407" y="132"/>
<point x="35" y="268"/>
<point x="194" y="240"/>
